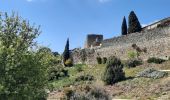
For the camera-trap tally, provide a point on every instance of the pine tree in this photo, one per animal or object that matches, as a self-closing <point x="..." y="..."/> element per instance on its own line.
<point x="134" y="24"/>
<point x="66" y="54"/>
<point x="124" y="26"/>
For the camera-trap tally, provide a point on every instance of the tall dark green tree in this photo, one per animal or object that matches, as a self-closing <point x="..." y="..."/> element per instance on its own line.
<point x="66" y="53"/>
<point x="134" y="24"/>
<point x="124" y="27"/>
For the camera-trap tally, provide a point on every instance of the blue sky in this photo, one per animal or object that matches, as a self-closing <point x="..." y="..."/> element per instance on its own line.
<point x="60" y="19"/>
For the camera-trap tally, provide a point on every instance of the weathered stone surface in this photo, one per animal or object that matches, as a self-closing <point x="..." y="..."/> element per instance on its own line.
<point x="156" y="42"/>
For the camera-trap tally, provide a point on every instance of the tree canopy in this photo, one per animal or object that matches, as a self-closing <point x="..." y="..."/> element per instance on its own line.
<point x="134" y="24"/>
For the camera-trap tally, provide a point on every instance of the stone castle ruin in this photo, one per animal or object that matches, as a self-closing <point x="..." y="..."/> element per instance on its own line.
<point x="152" y="41"/>
<point x="93" y="40"/>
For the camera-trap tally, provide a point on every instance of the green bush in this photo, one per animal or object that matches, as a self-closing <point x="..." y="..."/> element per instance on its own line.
<point x="155" y="60"/>
<point x="85" y="78"/>
<point x="132" y="54"/>
<point x="133" y="63"/>
<point x="104" y="60"/>
<point x="57" y="72"/>
<point x="79" y="68"/>
<point x="23" y="72"/>
<point x="68" y="63"/>
<point x="99" y="60"/>
<point x="113" y="71"/>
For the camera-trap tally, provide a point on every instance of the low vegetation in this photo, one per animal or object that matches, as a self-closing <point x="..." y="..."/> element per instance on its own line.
<point x="99" y="60"/>
<point x="113" y="71"/>
<point x="133" y="63"/>
<point x="132" y="87"/>
<point x="155" y="60"/>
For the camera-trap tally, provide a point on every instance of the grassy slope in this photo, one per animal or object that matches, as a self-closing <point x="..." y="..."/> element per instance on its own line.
<point x="143" y="88"/>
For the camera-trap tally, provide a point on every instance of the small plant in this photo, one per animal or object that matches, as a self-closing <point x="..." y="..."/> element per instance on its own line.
<point x="113" y="71"/>
<point x="99" y="60"/>
<point x="85" y="78"/>
<point x="133" y="63"/>
<point x="155" y="60"/>
<point x="68" y="93"/>
<point x="152" y="73"/>
<point x="132" y="54"/>
<point x="104" y="60"/>
<point x="87" y="93"/>
<point x="69" y="63"/>
<point x="79" y="68"/>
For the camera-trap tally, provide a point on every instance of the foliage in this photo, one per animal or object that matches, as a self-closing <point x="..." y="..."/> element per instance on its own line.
<point x="68" y="93"/>
<point x="155" y="60"/>
<point x="133" y="63"/>
<point x="55" y="54"/>
<point x="55" y="68"/>
<point x="104" y="60"/>
<point x="132" y="54"/>
<point x="86" y="77"/>
<point x="68" y="62"/>
<point x="57" y="72"/>
<point x="113" y="71"/>
<point x="66" y="53"/>
<point x="134" y="24"/>
<point x="23" y="72"/>
<point x="152" y="73"/>
<point x="87" y="93"/>
<point x="99" y="60"/>
<point x="79" y="68"/>
<point x="124" y="26"/>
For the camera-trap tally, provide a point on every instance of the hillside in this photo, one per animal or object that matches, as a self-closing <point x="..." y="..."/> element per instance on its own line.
<point x="132" y="88"/>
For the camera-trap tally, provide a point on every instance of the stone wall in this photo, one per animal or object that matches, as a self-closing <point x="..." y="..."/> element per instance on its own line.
<point x="156" y="42"/>
<point x="92" y="39"/>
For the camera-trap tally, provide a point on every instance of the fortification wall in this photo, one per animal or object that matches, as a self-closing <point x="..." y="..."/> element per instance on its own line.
<point x="156" y="42"/>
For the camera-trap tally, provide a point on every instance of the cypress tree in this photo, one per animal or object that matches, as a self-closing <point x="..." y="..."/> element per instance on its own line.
<point x="66" y="54"/>
<point x="134" y="24"/>
<point x="124" y="26"/>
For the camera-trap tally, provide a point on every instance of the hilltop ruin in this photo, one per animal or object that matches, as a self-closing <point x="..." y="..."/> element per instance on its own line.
<point x="154" y="38"/>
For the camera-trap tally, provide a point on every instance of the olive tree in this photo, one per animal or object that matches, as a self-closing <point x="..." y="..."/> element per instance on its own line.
<point x="23" y="73"/>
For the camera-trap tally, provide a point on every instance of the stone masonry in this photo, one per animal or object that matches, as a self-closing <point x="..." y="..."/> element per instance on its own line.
<point x="155" y="41"/>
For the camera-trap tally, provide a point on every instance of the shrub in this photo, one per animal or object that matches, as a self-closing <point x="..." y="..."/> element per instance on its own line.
<point x="68" y="93"/>
<point x="69" y="63"/>
<point x="152" y="73"/>
<point x="132" y="54"/>
<point x="87" y="93"/>
<point x="113" y="71"/>
<point x="155" y="60"/>
<point x="99" y="60"/>
<point x="85" y="78"/>
<point x="133" y="63"/>
<point x="23" y="72"/>
<point x="56" y="72"/>
<point x="79" y="68"/>
<point x="104" y="60"/>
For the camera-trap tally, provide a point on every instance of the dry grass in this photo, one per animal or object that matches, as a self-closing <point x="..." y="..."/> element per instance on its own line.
<point x="132" y="88"/>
